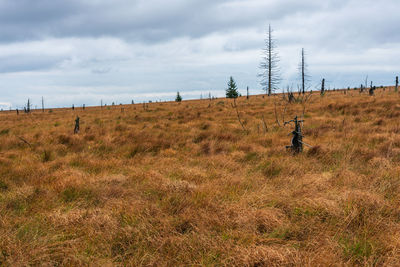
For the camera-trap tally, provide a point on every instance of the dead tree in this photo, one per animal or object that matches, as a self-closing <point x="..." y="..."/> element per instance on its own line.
<point x="396" y="88"/>
<point x="323" y="87"/>
<point x="270" y="77"/>
<point x="372" y="90"/>
<point x="247" y="96"/>
<point x="291" y="97"/>
<point x="297" y="139"/>
<point x="28" y="107"/>
<point x="76" y="129"/>
<point x="303" y="72"/>
<point x="42" y="104"/>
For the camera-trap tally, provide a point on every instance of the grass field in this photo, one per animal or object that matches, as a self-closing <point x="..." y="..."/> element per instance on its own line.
<point x="184" y="184"/>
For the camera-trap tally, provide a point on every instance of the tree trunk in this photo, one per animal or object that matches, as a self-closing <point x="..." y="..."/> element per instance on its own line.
<point x="302" y="72"/>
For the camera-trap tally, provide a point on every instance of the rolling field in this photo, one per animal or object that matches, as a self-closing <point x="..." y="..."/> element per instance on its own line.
<point x="184" y="184"/>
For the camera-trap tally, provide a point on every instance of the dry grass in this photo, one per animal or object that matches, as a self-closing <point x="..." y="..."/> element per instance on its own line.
<point x="182" y="184"/>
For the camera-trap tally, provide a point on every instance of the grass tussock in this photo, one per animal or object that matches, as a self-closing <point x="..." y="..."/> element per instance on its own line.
<point x="183" y="184"/>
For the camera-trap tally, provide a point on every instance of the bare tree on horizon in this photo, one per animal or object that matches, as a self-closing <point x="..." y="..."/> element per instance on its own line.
<point x="303" y="72"/>
<point x="270" y="76"/>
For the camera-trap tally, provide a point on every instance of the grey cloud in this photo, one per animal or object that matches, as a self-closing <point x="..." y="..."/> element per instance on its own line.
<point x="140" y="20"/>
<point x="80" y="50"/>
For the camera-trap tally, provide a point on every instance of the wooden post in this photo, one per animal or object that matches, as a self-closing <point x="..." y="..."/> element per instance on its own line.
<point x="397" y="84"/>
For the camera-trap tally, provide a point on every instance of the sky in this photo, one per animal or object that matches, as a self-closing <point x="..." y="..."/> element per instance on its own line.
<point x="88" y="51"/>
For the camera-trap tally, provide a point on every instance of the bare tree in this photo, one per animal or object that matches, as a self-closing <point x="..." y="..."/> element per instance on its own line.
<point x="270" y="77"/>
<point x="397" y="84"/>
<point x="28" y="106"/>
<point x="323" y="87"/>
<point x="303" y="72"/>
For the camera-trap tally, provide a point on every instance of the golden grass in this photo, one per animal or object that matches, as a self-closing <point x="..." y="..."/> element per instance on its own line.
<point x="182" y="184"/>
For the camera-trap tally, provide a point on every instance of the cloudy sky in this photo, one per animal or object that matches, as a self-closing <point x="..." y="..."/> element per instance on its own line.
<point x="84" y="51"/>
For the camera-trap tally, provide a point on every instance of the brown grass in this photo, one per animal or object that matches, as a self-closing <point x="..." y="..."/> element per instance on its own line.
<point x="182" y="184"/>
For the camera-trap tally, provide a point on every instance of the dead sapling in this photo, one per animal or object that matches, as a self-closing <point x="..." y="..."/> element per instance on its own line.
<point x="276" y="115"/>
<point x="264" y="125"/>
<point x="297" y="139"/>
<point x="76" y="130"/>
<point x="238" y="116"/>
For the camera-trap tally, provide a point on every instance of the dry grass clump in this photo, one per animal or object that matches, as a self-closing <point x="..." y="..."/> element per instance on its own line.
<point x="183" y="184"/>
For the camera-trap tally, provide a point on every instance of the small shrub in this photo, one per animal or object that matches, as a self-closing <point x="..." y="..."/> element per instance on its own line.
<point x="46" y="156"/>
<point x="3" y="186"/>
<point x="199" y="138"/>
<point x="204" y="126"/>
<point x="184" y="227"/>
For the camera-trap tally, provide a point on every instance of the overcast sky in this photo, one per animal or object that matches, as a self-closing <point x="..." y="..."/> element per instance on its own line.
<point x="82" y="51"/>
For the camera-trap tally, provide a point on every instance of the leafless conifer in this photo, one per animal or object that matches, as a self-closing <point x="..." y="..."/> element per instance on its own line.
<point x="270" y="77"/>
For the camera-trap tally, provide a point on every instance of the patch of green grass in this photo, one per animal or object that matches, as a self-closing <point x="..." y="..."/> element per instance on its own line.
<point x="17" y="205"/>
<point x="4" y="131"/>
<point x="251" y="156"/>
<point x="269" y="169"/>
<point x="31" y="230"/>
<point x="127" y="219"/>
<point x="74" y="194"/>
<point x="281" y="233"/>
<point x="356" y="249"/>
<point x="3" y="186"/>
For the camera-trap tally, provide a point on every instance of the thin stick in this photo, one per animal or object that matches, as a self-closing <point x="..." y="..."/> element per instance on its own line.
<point x="276" y="116"/>
<point x="23" y="140"/>
<point x="284" y="111"/>
<point x="265" y="124"/>
<point x="238" y="116"/>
